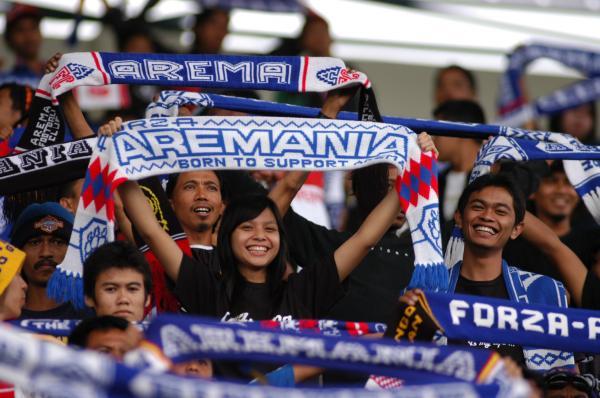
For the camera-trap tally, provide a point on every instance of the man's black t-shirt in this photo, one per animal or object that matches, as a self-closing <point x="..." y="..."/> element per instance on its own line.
<point x="496" y="289"/>
<point x="307" y="294"/>
<point x="63" y="311"/>
<point x="374" y="286"/>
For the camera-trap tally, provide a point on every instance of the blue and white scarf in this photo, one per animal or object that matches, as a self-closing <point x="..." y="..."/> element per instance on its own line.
<point x="58" y="371"/>
<point x="292" y="74"/>
<point x="513" y="109"/>
<point x="156" y="146"/>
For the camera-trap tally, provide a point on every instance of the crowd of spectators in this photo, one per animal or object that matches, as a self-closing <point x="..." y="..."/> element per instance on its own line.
<point x="262" y="249"/>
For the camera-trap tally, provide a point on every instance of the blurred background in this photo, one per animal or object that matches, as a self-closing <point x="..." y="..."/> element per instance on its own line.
<point x="399" y="44"/>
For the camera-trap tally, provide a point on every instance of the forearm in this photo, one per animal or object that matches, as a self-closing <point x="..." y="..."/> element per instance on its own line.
<point x="572" y="270"/>
<point x="286" y="189"/>
<point x="79" y="126"/>
<point x="142" y="217"/>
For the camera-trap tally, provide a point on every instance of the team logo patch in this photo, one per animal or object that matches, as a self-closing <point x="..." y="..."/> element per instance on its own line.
<point x="69" y="73"/>
<point x="48" y="224"/>
<point x="329" y="75"/>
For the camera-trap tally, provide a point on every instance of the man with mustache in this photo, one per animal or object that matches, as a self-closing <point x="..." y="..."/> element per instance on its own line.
<point x="42" y="231"/>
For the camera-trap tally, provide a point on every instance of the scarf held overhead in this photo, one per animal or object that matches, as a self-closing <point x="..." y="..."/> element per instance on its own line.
<point x="293" y="74"/>
<point x="166" y="145"/>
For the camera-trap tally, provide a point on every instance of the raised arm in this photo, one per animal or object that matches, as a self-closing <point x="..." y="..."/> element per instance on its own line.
<point x="352" y="252"/>
<point x="568" y="264"/>
<point x="142" y="217"/>
<point x="79" y="126"/>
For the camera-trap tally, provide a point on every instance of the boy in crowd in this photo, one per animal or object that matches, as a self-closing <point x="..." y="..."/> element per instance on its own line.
<point x="111" y="335"/>
<point x="42" y="232"/>
<point x="454" y="83"/>
<point x="117" y="281"/>
<point x="491" y="211"/>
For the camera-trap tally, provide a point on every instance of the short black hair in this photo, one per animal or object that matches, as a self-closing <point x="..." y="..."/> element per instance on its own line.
<point x="467" y="73"/>
<point x="117" y="254"/>
<point x="555" y="123"/>
<point x="21" y="96"/>
<point x="465" y="111"/>
<point x="79" y="336"/>
<point x="221" y="176"/>
<point x="502" y="180"/>
<point x="208" y="13"/>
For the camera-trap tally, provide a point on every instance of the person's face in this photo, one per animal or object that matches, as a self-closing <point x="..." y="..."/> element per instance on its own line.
<point x="555" y="197"/>
<point x="120" y="292"/>
<point x="71" y="199"/>
<point x="447" y="146"/>
<point x="26" y="38"/>
<point x="255" y="243"/>
<point x="139" y="44"/>
<point x="201" y="368"/>
<point x="392" y="176"/>
<point x="197" y="201"/>
<point x="210" y="34"/>
<point x="316" y="39"/>
<point x="8" y="116"/>
<point x="43" y="254"/>
<point x="13" y="298"/>
<point x="453" y="85"/>
<point x="114" y="342"/>
<point x="566" y="392"/>
<point x="578" y="121"/>
<point x="488" y="220"/>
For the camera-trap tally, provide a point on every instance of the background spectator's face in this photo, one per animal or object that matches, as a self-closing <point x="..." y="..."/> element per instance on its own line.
<point x="196" y="200"/>
<point x="120" y="292"/>
<point x="26" y="38"/>
<point x="488" y="220"/>
<point x="578" y="121"/>
<point x="44" y="253"/>
<point x="316" y="40"/>
<point x="139" y="44"/>
<point x="201" y="368"/>
<point x="401" y="217"/>
<point x="211" y="33"/>
<point x="453" y="85"/>
<point x="13" y="298"/>
<point x="114" y="342"/>
<point x="555" y="197"/>
<point x="446" y="146"/>
<point x="8" y="116"/>
<point x="255" y="243"/>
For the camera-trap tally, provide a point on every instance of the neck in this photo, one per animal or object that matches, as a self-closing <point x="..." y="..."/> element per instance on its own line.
<point x="561" y="226"/>
<point x="481" y="265"/>
<point x="253" y="274"/>
<point x="37" y="299"/>
<point x="465" y="158"/>
<point x="199" y="237"/>
<point x="32" y="63"/>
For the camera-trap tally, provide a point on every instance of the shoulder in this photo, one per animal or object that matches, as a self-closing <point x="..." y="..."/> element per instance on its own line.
<point x="540" y="289"/>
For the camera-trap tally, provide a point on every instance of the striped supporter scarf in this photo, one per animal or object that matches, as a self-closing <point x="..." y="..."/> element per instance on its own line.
<point x="513" y="108"/>
<point x="58" y="371"/>
<point x="157" y="146"/>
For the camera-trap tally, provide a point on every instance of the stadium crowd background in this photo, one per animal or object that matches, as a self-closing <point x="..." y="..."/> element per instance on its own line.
<point x="337" y="201"/>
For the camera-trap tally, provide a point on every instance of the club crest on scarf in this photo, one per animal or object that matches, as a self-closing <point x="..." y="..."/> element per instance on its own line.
<point x="336" y="75"/>
<point x="69" y="73"/>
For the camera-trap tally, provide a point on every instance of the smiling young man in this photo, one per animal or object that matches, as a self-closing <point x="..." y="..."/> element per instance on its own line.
<point x="117" y="281"/>
<point x="491" y="211"/>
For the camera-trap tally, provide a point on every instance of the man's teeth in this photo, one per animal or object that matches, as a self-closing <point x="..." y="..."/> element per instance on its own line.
<point x="201" y="210"/>
<point x="481" y="228"/>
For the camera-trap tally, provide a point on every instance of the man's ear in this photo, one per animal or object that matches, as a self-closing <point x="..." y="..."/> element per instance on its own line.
<point x="148" y="300"/>
<point x="517" y="229"/>
<point x="458" y="219"/>
<point x="89" y="302"/>
<point x="68" y="204"/>
<point x="171" y="203"/>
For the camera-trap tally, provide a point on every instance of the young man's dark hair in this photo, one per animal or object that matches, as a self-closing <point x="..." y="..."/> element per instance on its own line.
<point x="79" y="335"/>
<point x="460" y="111"/>
<point x="117" y="254"/>
<point x="496" y="180"/>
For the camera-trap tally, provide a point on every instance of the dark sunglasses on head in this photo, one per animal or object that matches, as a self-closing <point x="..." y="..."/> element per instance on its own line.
<point x="560" y="380"/>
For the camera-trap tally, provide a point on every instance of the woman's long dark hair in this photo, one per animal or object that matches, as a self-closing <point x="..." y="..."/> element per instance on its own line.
<point x="239" y="210"/>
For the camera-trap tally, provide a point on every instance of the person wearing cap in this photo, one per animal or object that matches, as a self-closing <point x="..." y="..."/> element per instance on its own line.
<point x="42" y="231"/>
<point x="24" y="38"/>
